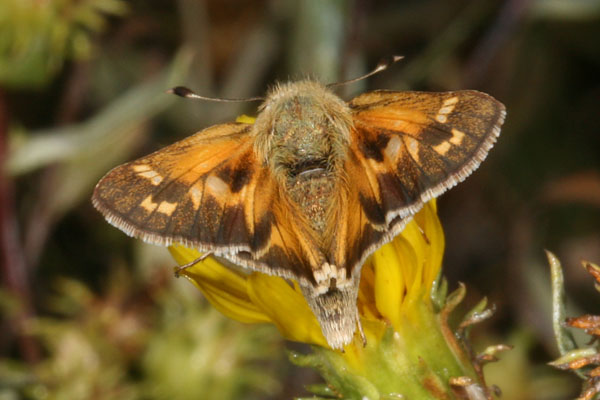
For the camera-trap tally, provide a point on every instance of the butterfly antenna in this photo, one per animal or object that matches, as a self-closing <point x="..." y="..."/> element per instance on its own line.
<point x="182" y="91"/>
<point x="381" y="66"/>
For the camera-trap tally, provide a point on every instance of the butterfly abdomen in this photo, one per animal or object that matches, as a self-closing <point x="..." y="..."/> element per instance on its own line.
<point x="313" y="192"/>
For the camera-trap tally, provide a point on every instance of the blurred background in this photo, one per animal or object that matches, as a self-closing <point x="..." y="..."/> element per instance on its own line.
<point x="89" y="313"/>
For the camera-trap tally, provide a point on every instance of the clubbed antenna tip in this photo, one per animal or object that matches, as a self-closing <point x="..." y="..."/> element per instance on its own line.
<point x="381" y="66"/>
<point x="182" y="91"/>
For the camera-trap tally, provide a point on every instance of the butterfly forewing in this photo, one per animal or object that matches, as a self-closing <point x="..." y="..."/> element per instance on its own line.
<point x="407" y="148"/>
<point x="209" y="192"/>
<point x="176" y="193"/>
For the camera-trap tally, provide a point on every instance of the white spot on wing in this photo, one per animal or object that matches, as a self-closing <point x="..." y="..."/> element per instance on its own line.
<point x="195" y="196"/>
<point x="141" y="168"/>
<point x="217" y="186"/>
<point x="392" y="150"/>
<point x="155" y="177"/>
<point x="167" y="208"/>
<point x="442" y="148"/>
<point x="457" y="137"/>
<point x="413" y="148"/>
<point x="446" y="109"/>
<point x="148" y="204"/>
<point x="451" y="100"/>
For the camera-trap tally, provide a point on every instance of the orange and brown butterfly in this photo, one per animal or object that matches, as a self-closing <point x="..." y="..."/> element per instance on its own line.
<point x="309" y="190"/>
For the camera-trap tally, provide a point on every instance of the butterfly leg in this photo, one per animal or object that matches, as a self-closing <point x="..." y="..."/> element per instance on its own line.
<point x="423" y="234"/>
<point x="360" y="330"/>
<point x="183" y="267"/>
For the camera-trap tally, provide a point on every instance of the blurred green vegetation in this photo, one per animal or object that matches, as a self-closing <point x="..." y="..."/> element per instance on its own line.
<point x="38" y="36"/>
<point x="87" y="312"/>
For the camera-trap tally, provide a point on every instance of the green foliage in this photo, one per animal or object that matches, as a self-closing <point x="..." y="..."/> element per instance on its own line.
<point x="112" y="346"/>
<point x="36" y="37"/>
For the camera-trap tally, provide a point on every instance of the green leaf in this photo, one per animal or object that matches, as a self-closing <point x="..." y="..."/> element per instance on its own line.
<point x="573" y="355"/>
<point x="564" y="338"/>
<point x="439" y="291"/>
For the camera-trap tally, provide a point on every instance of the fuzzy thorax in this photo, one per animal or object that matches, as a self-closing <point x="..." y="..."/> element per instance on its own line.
<point x="302" y="125"/>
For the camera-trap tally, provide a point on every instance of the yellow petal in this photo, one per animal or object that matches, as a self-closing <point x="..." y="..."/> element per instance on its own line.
<point x="430" y="223"/>
<point x="414" y="237"/>
<point x="406" y="267"/>
<point x="394" y="268"/>
<point x="246" y="119"/>
<point x="366" y="292"/>
<point x="224" y="288"/>
<point x="286" y="307"/>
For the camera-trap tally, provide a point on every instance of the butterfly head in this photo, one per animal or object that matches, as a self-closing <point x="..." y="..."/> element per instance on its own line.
<point x="302" y="126"/>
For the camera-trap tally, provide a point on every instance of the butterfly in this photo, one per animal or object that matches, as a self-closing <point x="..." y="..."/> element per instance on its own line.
<point x="309" y="190"/>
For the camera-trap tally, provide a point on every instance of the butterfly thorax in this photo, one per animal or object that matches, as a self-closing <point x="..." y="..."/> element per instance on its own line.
<point x="302" y="135"/>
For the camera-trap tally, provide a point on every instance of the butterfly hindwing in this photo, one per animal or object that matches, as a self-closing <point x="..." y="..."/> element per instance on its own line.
<point x="407" y="148"/>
